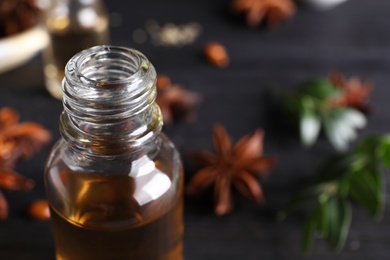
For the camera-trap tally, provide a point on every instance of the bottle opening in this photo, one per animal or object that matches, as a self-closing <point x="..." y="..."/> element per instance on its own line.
<point x="108" y="73"/>
<point x="108" y="64"/>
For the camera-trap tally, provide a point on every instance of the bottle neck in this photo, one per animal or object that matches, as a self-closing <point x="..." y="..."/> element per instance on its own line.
<point x="108" y="98"/>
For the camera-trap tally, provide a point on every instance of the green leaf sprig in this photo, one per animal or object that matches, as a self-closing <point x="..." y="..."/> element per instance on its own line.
<point x="313" y="104"/>
<point x="355" y="177"/>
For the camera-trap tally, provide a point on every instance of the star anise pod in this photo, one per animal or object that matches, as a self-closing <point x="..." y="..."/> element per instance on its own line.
<point x="354" y="92"/>
<point x="17" y="16"/>
<point x="231" y="167"/>
<point x="175" y="102"/>
<point x="17" y="141"/>
<point x="216" y="54"/>
<point x="274" y="12"/>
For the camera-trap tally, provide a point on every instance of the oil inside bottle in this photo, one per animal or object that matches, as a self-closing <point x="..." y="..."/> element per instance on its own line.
<point x="106" y="217"/>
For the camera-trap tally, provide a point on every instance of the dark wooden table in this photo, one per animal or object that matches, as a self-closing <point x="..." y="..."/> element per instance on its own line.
<point x="353" y="38"/>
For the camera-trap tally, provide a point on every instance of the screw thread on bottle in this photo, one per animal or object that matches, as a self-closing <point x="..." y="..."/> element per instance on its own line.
<point x="108" y="98"/>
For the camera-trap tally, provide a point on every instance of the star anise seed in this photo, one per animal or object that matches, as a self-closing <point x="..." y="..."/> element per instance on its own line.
<point x="17" y="16"/>
<point x="274" y="12"/>
<point x="354" y="92"/>
<point x="216" y="54"/>
<point x="231" y="167"/>
<point x="39" y="209"/>
<point x="175" y="102"/>
<point x="17" y="141"/>
<point x="11" y="180"/>
<point x="3" y="207"/>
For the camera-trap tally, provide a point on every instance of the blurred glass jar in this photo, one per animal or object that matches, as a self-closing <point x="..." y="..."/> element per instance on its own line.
<point x="72" y="25"/>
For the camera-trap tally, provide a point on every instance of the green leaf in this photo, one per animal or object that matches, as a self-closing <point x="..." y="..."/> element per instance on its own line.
<point x="335" y="168"/>
<point x="308" y="233"/>
<point x="307" y="105"/>
<point x="369" y="145"/>
<point x="339" y="220"/>
<point x="319" y="89"/>
<point x="366" y="188"/>
<point x="384" y="151"/>
<point x="340" y="216"/>
<point x="293" y="105"/>
<point x="300" y="197"/>
<point x="380" y="193"/>
<point x="343" y="188"/>
<point x="323" y="225"/>
<point x="346" y="219"/>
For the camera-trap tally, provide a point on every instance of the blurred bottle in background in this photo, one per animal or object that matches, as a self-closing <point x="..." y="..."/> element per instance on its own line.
<point x="72" y="25"/>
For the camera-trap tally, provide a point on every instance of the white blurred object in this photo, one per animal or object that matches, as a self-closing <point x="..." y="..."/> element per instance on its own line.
<point x="323" y="4"/>
<point x="17" y="49"/>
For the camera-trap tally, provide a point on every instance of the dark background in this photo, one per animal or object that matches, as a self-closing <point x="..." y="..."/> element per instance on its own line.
<point x="353" y="38"/>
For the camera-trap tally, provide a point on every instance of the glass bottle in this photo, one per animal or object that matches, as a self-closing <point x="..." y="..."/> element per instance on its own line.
<point x="72" y="26"/>
<point x="114" y="181"/>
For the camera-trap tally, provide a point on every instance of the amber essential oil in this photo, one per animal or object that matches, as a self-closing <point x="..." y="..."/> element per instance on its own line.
<point x="100" y="222"/>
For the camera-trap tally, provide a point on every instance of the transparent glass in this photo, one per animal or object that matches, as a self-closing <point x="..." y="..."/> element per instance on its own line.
<point x="72" y="26"/>
<point x="114" y="182"/>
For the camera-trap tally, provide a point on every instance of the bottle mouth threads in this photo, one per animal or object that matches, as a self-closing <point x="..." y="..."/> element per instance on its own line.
<point x="91" y="72"/>
<point x="108" y="97"/>
<point x="107" y="65"/>
<point x="108" y="80"/>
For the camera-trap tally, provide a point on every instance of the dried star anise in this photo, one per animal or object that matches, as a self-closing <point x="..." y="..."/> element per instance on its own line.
<point x="273" y="12"/>
<point x="39" y="209"/>
<point x="354" y="93"/>
<point x="175" y="102"/>
<point x="17" y="141"/>
<point x="17" y="16"/>
<point x="216" y="54"/>
<point x="235" y="166"/>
